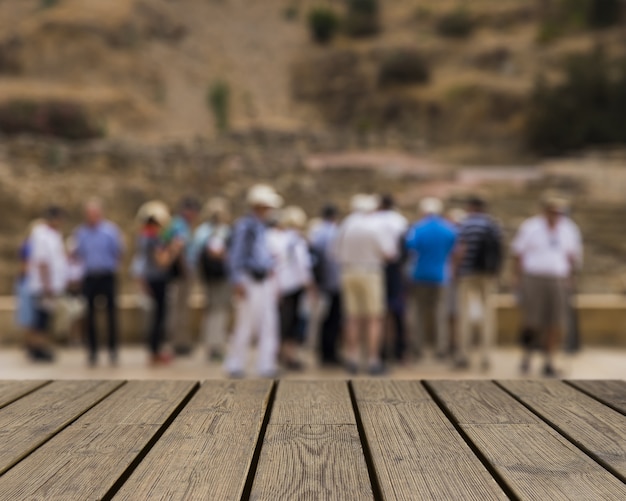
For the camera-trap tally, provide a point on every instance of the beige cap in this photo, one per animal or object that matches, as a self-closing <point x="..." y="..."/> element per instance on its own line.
<point x="216" y="207"/>
<point x="293" y="217"/>
<point x="431" y="205"/>
<point x="555" y="202"/>
<point x="364" y="203"/>
<point x="154" y="209"/>
<point x="264" y="195"/>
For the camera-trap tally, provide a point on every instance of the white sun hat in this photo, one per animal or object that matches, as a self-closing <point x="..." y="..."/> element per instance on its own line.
<point x="364" y="203"/>
<point x="431" y="205"/>
<point x="264" y="195"/>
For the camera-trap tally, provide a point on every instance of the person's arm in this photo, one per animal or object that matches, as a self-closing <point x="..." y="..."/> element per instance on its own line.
<point x="236" y="258"/>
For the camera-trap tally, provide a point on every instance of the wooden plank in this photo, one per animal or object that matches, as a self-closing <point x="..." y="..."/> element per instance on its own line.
<point x="593" y="426"/>
<point x="87" y="459"/>
<point x="316" y="452"/>
<point x="207" y="452"/>
<point x="10" y="391"/>
<point x="35" y="418"/>
<point x="612" y="393"/>
<point x="533" y="460"/>
<point x="415" y="449"/>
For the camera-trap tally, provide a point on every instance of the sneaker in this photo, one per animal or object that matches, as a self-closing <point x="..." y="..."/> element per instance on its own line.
<point x="183" y="351"/>
<point x="351" y="367"/>
<point x="294" y="365"/>
<point x="377" y="370"/>
<point x="550" y="371"/>
<point x="41" y="355"/>
<point x="236" y="375"/>
<point x="461" y="364"/>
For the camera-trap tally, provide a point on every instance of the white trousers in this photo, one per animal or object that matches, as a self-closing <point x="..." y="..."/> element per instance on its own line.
<point x="255" y="314"/>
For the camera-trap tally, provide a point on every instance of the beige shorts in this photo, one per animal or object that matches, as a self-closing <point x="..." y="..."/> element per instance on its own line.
<point x="363" y="292"/>
<point x="544" y="302"/>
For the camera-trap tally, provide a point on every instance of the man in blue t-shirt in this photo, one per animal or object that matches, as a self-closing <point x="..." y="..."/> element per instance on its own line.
<point x="430" y="243"/>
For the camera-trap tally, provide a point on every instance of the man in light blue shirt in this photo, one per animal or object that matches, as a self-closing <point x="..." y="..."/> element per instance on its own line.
<point x="251" y="269"/>
<point x="99" y="247"/>
<point x="430" y="243"/>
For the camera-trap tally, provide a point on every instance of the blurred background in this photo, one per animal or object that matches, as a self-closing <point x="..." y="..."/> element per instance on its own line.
<point x="133" y="100"/>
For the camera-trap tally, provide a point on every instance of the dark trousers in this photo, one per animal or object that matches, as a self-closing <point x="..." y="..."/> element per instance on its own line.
<point x="289" y="309"/>
<point x="156" y="334"/>
<point x="395" y="294"/>
<point x="94" y="286"/>
<point x="330" y="329"/>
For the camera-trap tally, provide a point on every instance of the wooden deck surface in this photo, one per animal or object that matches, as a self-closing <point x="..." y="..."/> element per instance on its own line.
<point x="292" y="440"/>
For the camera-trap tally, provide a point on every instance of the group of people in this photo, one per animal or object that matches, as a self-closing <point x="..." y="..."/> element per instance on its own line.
<point x="366" y="291"/>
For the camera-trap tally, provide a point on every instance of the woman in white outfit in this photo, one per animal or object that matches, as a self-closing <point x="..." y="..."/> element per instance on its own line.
<point x="293" y="276"/>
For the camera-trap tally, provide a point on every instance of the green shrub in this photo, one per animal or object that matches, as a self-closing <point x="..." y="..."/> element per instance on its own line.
<point x="64" y="119"/>
<point x="323" y="24"/>
<point x="586" y="109"/>
<point x="403" y="67"/>
<point x="46" y="4"/>
<point x="456" y="24"/>
<point x="218" y="100"/>
<point x="362" y="18"/>
<point x="570" y="16"/>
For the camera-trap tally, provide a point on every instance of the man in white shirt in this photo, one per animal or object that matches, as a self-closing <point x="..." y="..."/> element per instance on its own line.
<point x="547" y="251"/>
<point x="362" y="252"/>
<point x="47" y="279"/>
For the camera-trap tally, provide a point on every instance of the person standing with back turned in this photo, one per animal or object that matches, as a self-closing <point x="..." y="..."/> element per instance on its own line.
<point x="478" y="259"/>
<point x="99" y="247"/>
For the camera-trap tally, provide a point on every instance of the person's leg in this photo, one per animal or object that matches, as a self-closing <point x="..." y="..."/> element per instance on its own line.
<point x="350" y="291"/>
<point x="180" y="335"/>
<point x="556" y="322"/>
<point x="237" y="356"/>
<point x="441" y="341"/>
<point x="158" y="290"/>
<point x="109" y="291"/>
<point x="216" y="317"/>
<point x="331" y="329"/>
<point x="374" y="297"/>
<point x="290" y="333"/>
<point x="265" y="313"/>
<point x="488" y="288"/>
<point x="428" y="311"/>
<point x="421" y="298"/>
<point x="90" y="291"/>
<point x="464" y="322"/>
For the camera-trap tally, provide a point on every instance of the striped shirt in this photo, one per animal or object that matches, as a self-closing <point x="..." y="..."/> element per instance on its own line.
<point x="472" y="232"/>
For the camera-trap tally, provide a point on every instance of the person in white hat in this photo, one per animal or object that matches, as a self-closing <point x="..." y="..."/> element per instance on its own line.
<point x="251" y="272"/>
<point x="430" y="243"/>
<point x="362" y="251"/>
<point x="547" y="251"/>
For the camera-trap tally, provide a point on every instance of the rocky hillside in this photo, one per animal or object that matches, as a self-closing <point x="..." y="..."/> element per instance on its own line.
<point x="143" y="68"/>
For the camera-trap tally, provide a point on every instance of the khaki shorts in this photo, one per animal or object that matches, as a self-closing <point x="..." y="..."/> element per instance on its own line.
<point x="363" y="293"/>
<point x="544" y="302"/>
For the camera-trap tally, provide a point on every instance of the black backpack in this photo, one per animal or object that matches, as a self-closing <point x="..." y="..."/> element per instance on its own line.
<point x="489" y="252"/>
<point x="212" y="268"/>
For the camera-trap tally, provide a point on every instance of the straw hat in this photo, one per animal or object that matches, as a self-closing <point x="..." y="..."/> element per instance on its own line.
<point x="555" y="202"/>
<point x="431" y="205"/>
<point x="263" y="195"/>
<point x="293" y="217"/>
<point x="154" y="209"/>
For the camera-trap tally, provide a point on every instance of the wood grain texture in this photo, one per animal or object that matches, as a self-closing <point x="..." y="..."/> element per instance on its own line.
<point x="86" y="459"/>
<point x="312" y="402"/>
<point x="207" y="451"/>
<point x="612" y="393"/>
<point x="10" y="391"/>
<point x="314" y="453"/>
<point x="416" y="451"/>
<point x="592" y="425"/>
<point x="534" y="460"/>
<point x="32" y="420"/>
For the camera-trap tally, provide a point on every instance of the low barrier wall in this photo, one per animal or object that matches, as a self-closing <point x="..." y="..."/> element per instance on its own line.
<point x="602" y="319"/>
